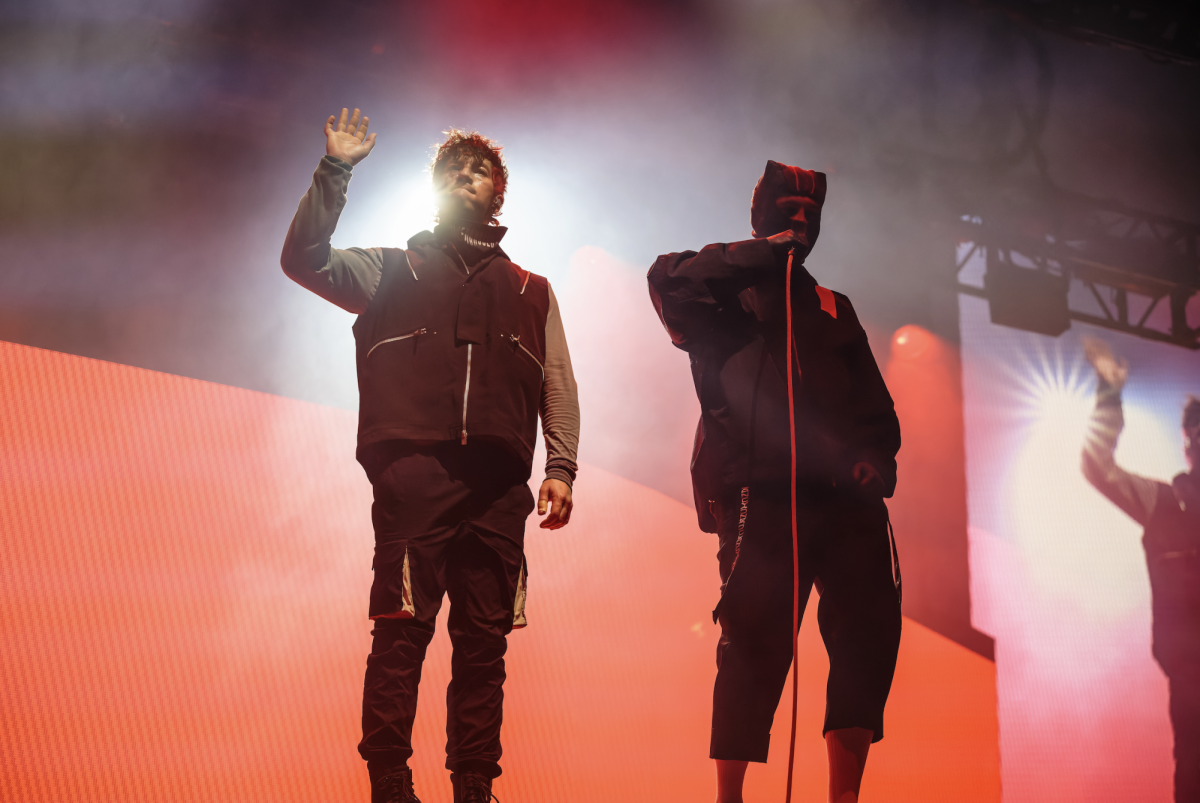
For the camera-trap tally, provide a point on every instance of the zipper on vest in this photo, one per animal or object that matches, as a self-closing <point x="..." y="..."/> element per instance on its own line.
<point x="462" y="262"/>
<point x="516" y="341"/>
<point x="466" y="395"/>
<point x="421" y="331"/>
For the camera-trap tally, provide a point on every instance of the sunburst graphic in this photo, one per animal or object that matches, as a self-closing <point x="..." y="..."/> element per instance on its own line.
<point x="1079" y="547"/>
<point x="1050" y="387"/>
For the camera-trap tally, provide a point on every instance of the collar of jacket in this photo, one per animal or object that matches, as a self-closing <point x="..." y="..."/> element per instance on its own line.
<point x="445" y="235"/>
<point x="478" y="235"/>
<point x="472" y="318"/>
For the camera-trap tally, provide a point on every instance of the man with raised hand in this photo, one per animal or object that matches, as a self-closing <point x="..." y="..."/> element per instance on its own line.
<point x="459" y="351"/>
<point x="1170" y="514"/>
<point x="725" y="305"/>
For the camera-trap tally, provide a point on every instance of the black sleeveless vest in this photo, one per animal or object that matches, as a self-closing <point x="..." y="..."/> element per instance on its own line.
<point x="444" y="355"/>
<point x="1172" y="544"/>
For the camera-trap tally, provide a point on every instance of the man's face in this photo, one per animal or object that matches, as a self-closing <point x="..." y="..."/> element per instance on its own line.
<point x="1191" y="447"/>
<point x="464" y="188"/>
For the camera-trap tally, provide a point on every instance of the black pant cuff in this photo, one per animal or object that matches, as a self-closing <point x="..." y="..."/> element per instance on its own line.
<point x="483" y="766"/>
<point x="381" y="768"/>
<point x="841" y="723"/>
<point x="727" y="746"/>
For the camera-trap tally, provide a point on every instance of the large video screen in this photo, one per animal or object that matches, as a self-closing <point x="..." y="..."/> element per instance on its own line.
<point x="183" y="614"/>
<point x="1059" y="573"/>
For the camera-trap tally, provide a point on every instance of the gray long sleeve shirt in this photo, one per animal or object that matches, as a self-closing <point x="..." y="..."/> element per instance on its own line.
<point x="349" y="278"/>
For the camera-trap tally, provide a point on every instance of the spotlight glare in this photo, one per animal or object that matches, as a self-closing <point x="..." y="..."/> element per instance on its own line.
<point x="1079" y="548"/>
<point x="390" y="217"/>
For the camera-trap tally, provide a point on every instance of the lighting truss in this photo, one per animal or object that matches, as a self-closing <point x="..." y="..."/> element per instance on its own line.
<point x="1113" y="251"/>
<point x="1165" y="30"/>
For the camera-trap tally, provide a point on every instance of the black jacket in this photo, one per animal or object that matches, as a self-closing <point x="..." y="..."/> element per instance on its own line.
<point x="1172" y="543"/>
<point x="723" y="306"/>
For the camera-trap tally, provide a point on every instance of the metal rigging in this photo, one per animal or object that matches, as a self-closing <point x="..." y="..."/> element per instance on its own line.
<point x="1165" y="30"/>
<point x="1037" y="241"/>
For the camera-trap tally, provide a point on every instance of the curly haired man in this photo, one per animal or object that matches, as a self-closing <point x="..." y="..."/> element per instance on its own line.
<point x="459" y="351"/>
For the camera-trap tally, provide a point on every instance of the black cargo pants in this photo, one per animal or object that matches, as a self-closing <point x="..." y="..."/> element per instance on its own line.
<point x="448" y="519"/>
<point x="845" y="548"/>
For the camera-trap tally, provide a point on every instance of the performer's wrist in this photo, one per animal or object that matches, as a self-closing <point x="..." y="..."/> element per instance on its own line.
<point x="338" y="161"/>
<point x="1107" y="393"/>
<point x="559" y="474"/>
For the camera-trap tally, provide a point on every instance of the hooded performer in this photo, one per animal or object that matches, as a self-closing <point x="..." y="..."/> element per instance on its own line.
<point x="725" y="306"/>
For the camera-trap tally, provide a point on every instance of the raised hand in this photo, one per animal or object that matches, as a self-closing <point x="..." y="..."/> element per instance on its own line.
<point x="348" y="140"/>
<point x="1107" y="366"/>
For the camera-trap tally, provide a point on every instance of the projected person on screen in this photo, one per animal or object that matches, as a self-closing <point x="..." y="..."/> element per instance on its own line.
<point x="725" y="306"/>
<point x="459" y="350"/>
<point x="1170" y="514"/>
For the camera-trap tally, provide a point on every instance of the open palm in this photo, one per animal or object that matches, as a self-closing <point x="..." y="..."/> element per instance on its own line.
<point x="1108" y="367"/>
<point x="348" y="140"/>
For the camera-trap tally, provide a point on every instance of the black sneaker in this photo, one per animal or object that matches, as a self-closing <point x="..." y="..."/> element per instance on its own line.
<point x="395" y="787"/>
<point x="472" y="787"/>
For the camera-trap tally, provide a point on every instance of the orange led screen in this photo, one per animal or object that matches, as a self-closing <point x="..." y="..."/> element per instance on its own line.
<point x="183" y="617"/>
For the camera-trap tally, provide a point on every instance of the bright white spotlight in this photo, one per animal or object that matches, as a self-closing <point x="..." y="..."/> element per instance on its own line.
<point x="388" y="218"/>
<point x="1081" y="549"/>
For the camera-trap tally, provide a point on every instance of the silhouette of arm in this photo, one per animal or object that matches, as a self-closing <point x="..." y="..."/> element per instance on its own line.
<point x="690" y="290"/>
<point x="1135" y="495"/>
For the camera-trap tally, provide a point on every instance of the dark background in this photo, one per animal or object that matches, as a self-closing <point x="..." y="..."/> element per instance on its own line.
<point x="154" y="151"/>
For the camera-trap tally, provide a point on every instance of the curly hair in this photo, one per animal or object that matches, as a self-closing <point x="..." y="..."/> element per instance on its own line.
<point x="1191" y="413"/>
<point x="460" y="143"/>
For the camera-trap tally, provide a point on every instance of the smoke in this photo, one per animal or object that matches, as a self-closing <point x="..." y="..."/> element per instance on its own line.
<point x="155" y="152"/>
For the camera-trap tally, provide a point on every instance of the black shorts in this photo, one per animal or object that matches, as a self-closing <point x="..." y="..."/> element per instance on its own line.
<point x="845" y="548"/>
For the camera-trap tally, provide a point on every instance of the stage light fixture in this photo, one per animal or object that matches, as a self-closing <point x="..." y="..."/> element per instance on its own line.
<point x="1025" y="298"/>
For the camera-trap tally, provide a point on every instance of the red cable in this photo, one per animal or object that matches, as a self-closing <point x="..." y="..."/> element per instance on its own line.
<point x="795" y="539"/>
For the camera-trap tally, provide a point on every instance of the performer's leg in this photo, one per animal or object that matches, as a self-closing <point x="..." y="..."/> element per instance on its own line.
<point x="859" y="617"/>
<point x="1185" y="721"/>
<point x="390" y="693"/>
<point x="730" y="777"/>
<point x="847" y="749"/>
<point x="415" y="515"/>
<point x="483" y="569"/>
<point x="481" y="617"/>
<point x="755" y="614"/>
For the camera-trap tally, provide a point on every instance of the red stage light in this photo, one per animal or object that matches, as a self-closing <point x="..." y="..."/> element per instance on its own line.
<point x="911" y="342"/>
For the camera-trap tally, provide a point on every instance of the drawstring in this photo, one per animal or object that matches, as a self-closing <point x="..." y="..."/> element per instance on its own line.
<point x="895" y="563"/>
